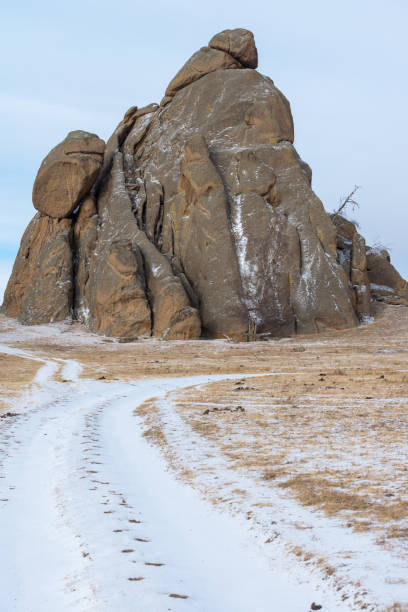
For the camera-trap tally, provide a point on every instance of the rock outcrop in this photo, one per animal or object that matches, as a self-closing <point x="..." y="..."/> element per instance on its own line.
<point x="351" y="249"/>
<point x="67" y="174"/>
<point x="370" y="273"/>
<point x="386" y="284"/>
<point x="131" y="288"/>
<point x="196" y="218"/>
<point x="221" y="153"/>
<point x="40" y="289"/>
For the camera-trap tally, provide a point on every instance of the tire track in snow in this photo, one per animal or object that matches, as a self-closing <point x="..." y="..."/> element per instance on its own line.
<point x="95" y="522"/>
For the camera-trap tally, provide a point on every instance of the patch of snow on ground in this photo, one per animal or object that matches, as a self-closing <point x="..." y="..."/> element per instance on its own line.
<point x="66" y="332"/>
<point x="375" y="287"/>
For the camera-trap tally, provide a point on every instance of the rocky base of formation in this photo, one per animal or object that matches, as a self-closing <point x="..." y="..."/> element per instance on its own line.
<point x="369" y="271"/>
<point x="196" y="218"/>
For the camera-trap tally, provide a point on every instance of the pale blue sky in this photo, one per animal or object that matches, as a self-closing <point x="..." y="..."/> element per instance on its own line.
<point x="80" y="65"/>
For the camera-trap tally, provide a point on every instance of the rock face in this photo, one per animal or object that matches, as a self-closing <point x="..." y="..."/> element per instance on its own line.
<point x="386" y="284"/>
<point x="369" y="271"/>
<point x="351" y="249"/>
<point x="40" y="288"/>
<point x="131" y="288"/>
<point x="197" y="218"/>
<point x="221" y="153"/>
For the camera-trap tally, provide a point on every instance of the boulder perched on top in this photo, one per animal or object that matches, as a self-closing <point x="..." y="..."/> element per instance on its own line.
<point x="67" y="174"/>
<point x="200" y="220"/>
<point x="239" y="43"/>
<point x="230" y="49"/>
<point x="203" y="62"/>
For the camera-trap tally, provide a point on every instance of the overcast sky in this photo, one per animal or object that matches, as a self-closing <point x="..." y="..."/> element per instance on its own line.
<point x="343" y="65"/>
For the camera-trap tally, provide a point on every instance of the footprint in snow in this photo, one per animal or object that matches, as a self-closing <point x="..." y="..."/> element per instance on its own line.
<point x="154" y="564"/>
<point x="142" y="540"/>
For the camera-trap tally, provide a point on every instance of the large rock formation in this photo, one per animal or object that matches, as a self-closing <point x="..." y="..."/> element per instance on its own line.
<point x="196" y="218"/>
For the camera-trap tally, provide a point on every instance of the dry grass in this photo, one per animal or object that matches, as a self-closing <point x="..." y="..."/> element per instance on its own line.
<point x="16" y="374"/>
<point x="331" y="497"/>
<point x="154" y="358"/>
<point x="323" y="442"/>
<point x="154" y="433"/>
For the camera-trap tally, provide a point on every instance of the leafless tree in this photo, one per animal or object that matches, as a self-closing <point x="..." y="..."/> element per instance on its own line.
<point x="348" y="201"/>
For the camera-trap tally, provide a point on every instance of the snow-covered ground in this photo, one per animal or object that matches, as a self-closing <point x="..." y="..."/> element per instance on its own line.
<point x="91" y="518"/>
<point x="369" y="575"/>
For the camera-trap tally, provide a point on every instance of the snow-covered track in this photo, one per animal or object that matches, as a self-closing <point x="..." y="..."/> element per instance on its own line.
<point x="92" y="520"/>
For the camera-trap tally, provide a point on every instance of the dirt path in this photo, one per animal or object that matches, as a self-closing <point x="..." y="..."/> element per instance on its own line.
<point x="91" y="519"/>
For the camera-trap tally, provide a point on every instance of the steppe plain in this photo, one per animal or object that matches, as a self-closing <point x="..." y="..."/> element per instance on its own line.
<point x="313" y="431"/>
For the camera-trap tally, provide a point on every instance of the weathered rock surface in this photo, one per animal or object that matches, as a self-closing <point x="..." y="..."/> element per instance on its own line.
<point x="284" y="243"/>
<point x="239" y="43"/>
<point x="370" y="274"/>
<point x="119" y="135"/>
<point x="200" y="220"/>
<point x="67" y="174"/>
<point x="351" y="249"/>
<point x="132" y="289"/>
<point x="386" y="284"/>
<point x="40" y="288"/>
<point x="85" y="237"/>
<point x="199" y="226"/>
<point x="206" y="60"/>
